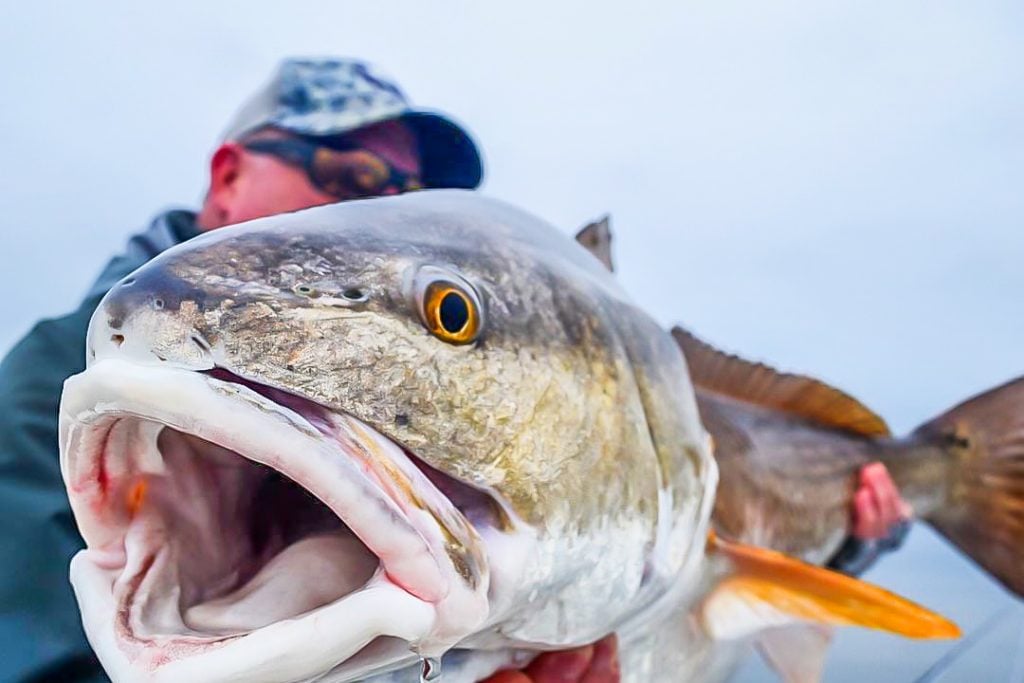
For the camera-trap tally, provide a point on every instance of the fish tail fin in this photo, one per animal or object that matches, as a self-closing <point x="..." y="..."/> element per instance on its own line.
<point x="983" y="515"/>
<point x="763" y="588"/>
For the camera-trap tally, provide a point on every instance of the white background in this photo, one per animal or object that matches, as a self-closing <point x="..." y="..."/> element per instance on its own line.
<point x="831" y="187"/>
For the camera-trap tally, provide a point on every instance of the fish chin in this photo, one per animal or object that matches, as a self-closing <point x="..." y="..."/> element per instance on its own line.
<point x="236" y="532"/>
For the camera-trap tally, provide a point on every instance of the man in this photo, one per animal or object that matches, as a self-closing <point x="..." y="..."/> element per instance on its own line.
<point x="319" y="132"/>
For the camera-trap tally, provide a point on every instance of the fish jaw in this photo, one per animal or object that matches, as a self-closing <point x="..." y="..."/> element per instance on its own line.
<point x="164" y="596"/>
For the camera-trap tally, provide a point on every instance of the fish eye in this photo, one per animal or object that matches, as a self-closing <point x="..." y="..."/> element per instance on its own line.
<point x="450" y="309"/>
<point x="453" y="312"/>
<point x="450" y="313"/>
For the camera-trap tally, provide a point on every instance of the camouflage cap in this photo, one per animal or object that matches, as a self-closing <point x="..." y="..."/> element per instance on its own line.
<point x="328" y="97"/>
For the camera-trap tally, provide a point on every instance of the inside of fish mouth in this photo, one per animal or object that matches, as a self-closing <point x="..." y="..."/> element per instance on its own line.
<point x="242" y="546"/>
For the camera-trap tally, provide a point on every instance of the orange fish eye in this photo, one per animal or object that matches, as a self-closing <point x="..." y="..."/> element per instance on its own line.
<point x="450" y="313"/>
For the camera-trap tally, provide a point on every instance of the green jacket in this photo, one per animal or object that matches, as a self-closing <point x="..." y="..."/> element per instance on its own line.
<point x="41" y="637"/>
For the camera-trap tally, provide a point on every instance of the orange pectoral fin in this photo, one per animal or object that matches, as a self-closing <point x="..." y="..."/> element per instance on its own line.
<point x="767" y="589"/>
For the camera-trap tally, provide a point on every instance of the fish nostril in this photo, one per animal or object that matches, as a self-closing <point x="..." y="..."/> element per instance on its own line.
<point x="158" y="304"/>
<point x="118" y="339"/>
<point x="128" y="283"/>
<point x="354" y="294"/>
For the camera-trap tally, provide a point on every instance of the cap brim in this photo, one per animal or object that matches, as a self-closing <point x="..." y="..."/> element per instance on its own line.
<point x="448" y="155"/>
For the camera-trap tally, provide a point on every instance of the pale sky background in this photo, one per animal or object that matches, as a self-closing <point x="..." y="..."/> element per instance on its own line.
<point x="833" y="187"/>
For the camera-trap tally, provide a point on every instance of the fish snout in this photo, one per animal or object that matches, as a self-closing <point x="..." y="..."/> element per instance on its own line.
<point x="151" y="317"/>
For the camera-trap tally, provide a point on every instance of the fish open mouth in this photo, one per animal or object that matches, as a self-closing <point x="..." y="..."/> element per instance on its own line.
<point x="238" y="532"/>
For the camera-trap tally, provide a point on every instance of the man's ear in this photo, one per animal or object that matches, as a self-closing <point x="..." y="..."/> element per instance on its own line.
<point x="225" y="166"/>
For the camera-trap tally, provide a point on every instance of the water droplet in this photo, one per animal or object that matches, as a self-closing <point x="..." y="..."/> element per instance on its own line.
<point x="431" y="671"/>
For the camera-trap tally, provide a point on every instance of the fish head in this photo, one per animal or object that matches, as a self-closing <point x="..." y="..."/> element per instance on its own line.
<point x="329" y="442"/>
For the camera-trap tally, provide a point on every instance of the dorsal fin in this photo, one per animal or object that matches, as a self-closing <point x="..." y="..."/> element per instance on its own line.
<point x="762" y="385"/>
<point x="596" y="238"/>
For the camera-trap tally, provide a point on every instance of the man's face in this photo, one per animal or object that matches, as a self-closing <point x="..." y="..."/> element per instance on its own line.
<point x="245" y="185"/>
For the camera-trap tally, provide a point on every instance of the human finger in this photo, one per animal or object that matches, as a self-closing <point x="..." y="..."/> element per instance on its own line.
<point x="567" y="666"/>
<point x="865" y="515"/>
<point x="604" y="667"/>
<point x="885" y="493"/>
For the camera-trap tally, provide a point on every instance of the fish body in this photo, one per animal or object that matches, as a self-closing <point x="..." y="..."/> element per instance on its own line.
<point x="789" y="449"/>
<point x="789" y="483"/>
<point x="325" y="445"/>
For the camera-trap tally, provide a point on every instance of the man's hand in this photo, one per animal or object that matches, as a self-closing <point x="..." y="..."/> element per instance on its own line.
<point x="877" y="505"/>
<point x="597" y="663"/>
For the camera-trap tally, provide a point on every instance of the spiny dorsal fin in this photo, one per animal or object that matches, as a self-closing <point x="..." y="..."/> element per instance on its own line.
<point x="596" y="238"/>
<point x="762" y="385"/>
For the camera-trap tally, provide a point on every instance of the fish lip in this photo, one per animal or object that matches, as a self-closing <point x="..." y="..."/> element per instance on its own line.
<point x="426" y="573"/>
